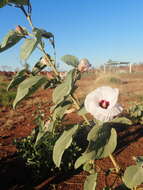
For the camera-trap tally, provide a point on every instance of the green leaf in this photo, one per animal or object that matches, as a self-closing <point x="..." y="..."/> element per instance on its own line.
<point x="90" y="182"/>
<point x="37" y="32"/>
<point x="60" y="110"/>
<point x="47" y="35"/>
<point x="62" y="144"/>
<point x="52" y="41"/>
<point x="63" y="90"/>
<point x="102" y="142"/>
<point x="3" y="3"/>
<point x="133" y="176"/>
<point x="28" y="47"/>
<point x="139" y="159"/>
<point x="43" y="33"/>
<point x="41" y="132"/>
<point x="19" y="2"/>
<point x="18" y="78"/>
<point x="28" y="87"/>
<point x="106" y="188"/>
<point x="89" y="167"/>
<point x="82" y="111"/>
<point x="122" y="187"/>
<point x="122" y="120"/>
<point x="70" y="60"/>
<point x="10" y="40"/>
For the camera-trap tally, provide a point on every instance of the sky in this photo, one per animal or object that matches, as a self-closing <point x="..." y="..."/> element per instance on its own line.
<point x="98" y="30"/>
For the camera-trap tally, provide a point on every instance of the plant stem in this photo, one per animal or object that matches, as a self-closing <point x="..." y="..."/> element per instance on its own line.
<point x="117" y="168"/>
<point x="76" y="98"/>
<point x="78" y="107"/>
<point x="49" y="61"/>
<point x="30" y="21"/>
<point x="27" y="16"/>
<point x="117" y="177"/>
<point x="41" y="48"/>
<point x="85" y="118"/>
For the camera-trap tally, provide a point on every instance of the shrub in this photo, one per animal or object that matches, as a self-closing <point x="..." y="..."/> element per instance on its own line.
<point x="136" y="113"/>
<point x="6" y="98"/>
<point x="115" y="80"/>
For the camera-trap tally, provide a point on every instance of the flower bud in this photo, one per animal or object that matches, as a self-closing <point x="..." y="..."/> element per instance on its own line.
<point x="20" y="30"/>
<point x="63" y="75"/>
<point x="84" y="65"/>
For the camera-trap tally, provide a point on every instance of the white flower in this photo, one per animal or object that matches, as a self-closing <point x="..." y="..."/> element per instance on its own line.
<point x="102" y="103"/>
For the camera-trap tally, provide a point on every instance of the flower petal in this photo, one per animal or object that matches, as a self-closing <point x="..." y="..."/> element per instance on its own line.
<point x="92" y="100"/>
<point x="108" y="94"/>
<point x="116" y="110"/>
<point x="102" y="115"/>
<point x="108" y="114"/>
<point x="103" y="93"/>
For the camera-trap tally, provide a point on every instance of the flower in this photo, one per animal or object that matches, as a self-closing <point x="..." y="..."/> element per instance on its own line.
<point x="102" y="103"/>
<point x="84" y="65"/>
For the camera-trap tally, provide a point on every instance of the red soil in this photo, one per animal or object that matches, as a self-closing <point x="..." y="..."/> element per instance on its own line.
<point x="19" y="123"/>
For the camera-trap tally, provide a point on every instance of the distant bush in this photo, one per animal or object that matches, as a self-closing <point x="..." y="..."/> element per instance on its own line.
<point x="6" y="98"/>
<point x="115" y="80"/>
<point x="88" y="74"/>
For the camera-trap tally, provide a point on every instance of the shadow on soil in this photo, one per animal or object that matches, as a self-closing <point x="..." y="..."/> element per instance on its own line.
<point x="127" y="134"/>
<point x="14" y="175"/>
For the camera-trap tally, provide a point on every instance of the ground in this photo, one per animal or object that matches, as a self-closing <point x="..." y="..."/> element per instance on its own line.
<point x="15" y="124"/>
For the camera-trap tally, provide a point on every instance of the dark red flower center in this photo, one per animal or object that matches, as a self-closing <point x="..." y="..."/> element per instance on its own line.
<point x="104" y="104"/>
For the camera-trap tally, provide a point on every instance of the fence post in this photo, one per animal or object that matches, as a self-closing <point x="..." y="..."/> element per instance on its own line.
<point x="130" y="67"/>
<point x="104" y="68"/>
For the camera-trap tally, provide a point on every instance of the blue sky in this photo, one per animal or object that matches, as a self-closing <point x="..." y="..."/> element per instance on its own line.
<point x="96" y="29"/>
